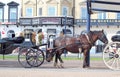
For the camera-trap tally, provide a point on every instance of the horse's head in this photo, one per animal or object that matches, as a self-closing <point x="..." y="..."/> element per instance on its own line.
<point x="49" y="55"/>
<point x="102" y="37"/>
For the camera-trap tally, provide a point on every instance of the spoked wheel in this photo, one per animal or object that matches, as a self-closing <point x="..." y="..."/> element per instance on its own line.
<point x="22" y="57"/>
<point x="35" y="57"/>
<point x="111" y="55"/>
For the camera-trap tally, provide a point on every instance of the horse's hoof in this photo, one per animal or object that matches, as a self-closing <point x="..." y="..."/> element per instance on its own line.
<point x="61" y="65"/>
<point x="86" y="66"/>
<point x="55" y="64"/>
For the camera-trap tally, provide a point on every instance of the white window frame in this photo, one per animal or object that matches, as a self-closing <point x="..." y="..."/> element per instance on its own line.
<point x="39" y="11"/>
<point x="85" y="14"/>
<point x="63" y="10"/>
<point x="117" y="15"/>
<point x="26" y="11"/>
<point x="2" y="15"/>
<point x="54" y="8"/>
<point x="102" y="15"/>
<point x="13" y="10"/>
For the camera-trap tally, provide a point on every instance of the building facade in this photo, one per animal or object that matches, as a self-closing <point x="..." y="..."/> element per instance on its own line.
<point x="32" y="8"/>
<point x="56" y="13"/>
<point x="108" y="21"/>
<point x="10" y="11"/>
<point x="49" y="16"/>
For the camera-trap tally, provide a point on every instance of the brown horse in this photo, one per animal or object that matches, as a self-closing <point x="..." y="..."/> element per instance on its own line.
<point x="82" y="43"/>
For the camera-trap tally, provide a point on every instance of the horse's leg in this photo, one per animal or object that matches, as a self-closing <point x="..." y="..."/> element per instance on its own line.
<point x="61" y="61"/>
<point x="85" y="61"/>
<point x="56" y="61"/>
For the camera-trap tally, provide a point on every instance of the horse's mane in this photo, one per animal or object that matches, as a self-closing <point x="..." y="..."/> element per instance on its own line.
<point x="94" y="32"/>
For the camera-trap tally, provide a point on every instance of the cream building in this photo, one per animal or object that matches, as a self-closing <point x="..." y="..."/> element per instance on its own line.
<point x="48" y="16"/>
<point x="69" y="8"/>
<point x="108" y="21"/>
<point x="47" y="7"/>
<point x="10" y="12"/>
<point x="61" y="8"/>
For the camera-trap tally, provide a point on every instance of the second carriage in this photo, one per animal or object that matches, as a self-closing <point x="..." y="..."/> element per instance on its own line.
<point x="29" y="54"/>
<point x="111" y="53"/>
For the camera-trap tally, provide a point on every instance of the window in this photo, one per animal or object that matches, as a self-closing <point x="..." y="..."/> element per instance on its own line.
<point x="29" y="12"/>
<point x="51" y="31"/>
<point x="0" y="35"/>
<point x="2" y="12"/>
<point x="13" y="14"/>
<point x="64" y="11"/>
<point x="118" y="15"/>
<point x="51" y="11"/>
<point x="40" y="12"/>
<point x="83" y="13"/>
<point x="118" y="32"/>
<point x="10" y="34"/>
<point x="1" y="15"/>
<point x="67" y="31"/>
<point x="102" y="16"/>
<point x="13" y="11"/>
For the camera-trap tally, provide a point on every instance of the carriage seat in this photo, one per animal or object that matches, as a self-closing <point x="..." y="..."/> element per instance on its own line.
<point x="116" y="38"/>
<point x="17" y="40"/>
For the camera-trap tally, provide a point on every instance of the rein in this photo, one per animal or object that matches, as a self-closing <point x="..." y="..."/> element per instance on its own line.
<point x="62" y="47"/>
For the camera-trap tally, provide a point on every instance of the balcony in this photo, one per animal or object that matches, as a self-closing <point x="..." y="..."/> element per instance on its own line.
<point x="36" y="21"/>
<point x="98" y="22"/>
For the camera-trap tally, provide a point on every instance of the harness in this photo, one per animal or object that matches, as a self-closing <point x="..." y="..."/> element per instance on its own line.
<point x="89" y="39"/>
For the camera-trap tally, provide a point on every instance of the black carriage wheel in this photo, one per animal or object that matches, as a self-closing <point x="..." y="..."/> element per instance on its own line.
<point x="22" y="57"/>
<point x="35" y="57"/>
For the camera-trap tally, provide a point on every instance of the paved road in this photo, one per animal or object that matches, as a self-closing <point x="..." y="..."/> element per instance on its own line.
<point x="72" y="69"/>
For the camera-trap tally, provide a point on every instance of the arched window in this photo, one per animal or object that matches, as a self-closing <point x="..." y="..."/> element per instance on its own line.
<point x="10" y="34"/>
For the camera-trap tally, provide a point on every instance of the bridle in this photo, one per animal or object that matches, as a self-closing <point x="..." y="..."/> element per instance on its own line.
<point x="102" y="36"/>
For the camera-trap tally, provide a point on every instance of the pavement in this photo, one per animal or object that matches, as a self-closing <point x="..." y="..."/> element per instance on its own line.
<point x="72" y="68"/>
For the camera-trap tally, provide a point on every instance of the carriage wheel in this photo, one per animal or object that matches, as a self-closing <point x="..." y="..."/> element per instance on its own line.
<point x="35" y="57"/>
<point x="111" y="55"/>
<point x="22" y="57"/>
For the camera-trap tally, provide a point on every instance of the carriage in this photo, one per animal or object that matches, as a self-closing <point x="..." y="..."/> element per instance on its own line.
<point x="111" y="53"/>
<point x="29" y="54"/>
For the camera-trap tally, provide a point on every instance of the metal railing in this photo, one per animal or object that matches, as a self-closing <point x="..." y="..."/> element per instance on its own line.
<point x="96" y="22"/>
<point x="77" y="22"/>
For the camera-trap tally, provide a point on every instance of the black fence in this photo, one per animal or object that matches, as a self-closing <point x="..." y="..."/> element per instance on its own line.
<point x="98" y="22"/>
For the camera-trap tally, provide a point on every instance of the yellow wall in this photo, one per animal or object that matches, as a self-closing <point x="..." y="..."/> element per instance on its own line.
<point x="59" y="4"/>
<point x="45" y="4"/>
<point x="81" y="3"/>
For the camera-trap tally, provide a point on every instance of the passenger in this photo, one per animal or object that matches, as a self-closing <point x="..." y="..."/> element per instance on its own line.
<point x="40" y="37"/>
<point x="33" y="37"/>
<point x="61" y="34"/>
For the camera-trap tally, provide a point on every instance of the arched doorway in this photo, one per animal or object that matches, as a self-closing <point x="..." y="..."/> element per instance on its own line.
<point x="11" y="34"/>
